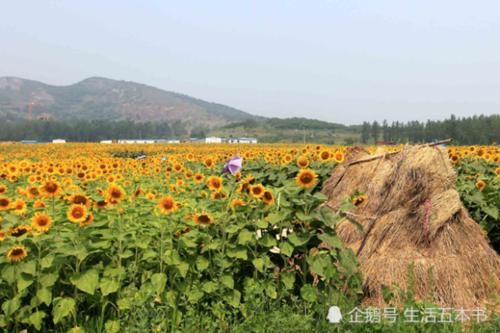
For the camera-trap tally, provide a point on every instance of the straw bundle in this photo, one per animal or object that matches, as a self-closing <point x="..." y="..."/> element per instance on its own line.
<point x="414" y="216"/>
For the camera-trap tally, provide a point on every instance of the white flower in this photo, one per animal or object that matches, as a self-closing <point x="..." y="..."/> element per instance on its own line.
<point x="258" y="234"/>
<point x="275" y="249"/>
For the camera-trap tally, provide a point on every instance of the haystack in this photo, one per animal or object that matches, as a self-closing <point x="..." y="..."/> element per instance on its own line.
<point x="413" y="217"/>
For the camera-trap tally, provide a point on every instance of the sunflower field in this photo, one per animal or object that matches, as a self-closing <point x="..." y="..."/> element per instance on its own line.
<point x="125" y="238"/>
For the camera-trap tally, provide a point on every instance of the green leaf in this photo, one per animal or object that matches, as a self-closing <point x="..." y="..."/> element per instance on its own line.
<point x="23" y="282"/>
<point x="48" y="279"/>
<point x="239" y="252"/>
<point x="298" y="239"/>
<point x="233" y="298"/>
<point x="227" y="281"/>
<point x="333" y="241"/>
<point x="11" y="306"/>
<point x="9" y="274"/>
<point x="319" y="264"/>
<point x="149" y="254"/>
<point x="112" y="326"/>
<point x="267" y="241"/>
<point x="274" y="218"/>
<point x="36" y="319"/>
<point x="159" y="280"/>
<point x="309" y="293"/>
<point x="28" y="267"/>
<point x="44" y="295"/>
<point x="47" y="261"/>
<point x="124" y="303"/>
<point x="271" y="291"/>
<point x="263" y="224"/>
<point x="87" y="281"/>
<point x="63" y="307"/>
<point x="183" y="268"/>
<point x="109" y="285"/>
<point x="194" y="295"/>
<point x="246" y="237"/>
<point x="259" y="264"/>
<point x="491" y="211"/>
<point x="288" y="279"/>
<point x="209" y="287"/>
<point x="320" y="196"/>
<point x="286" y="248"/>
<point x="202" y="263"/>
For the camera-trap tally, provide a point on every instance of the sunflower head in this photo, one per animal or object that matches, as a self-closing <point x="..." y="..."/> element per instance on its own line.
<point x="203" y="219"/>
<point x="41" y="222"/>
<point x="214" y="183"/>
<point x="324" y="155"/>
<point x="306" y="178"/>
<point x="115" y="193"/>
<point x="268" y="197"/>
<point x="20" y="230"/>
<point x="4" y="203"/>
<point x="481" y="184"/>
<point x="79" y="199"/>
<point x="339" y="156"/>
<point x="88" y="220"/>
<point x="19" y="207"/>
<point x="3" y="189"/>
<point x="257" y="190"/>
<point x="77" y="213"/>
<point x="237" y="203"/>
<point x="167" y="205"/>
<point x="16" y="253"/>
<point x="302" y="162"/>
<point x="50" y="188"/>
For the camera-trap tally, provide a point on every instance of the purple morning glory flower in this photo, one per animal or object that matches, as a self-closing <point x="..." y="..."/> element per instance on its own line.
<point x="233" y="165"/>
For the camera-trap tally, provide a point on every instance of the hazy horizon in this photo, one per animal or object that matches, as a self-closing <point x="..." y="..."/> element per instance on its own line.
<point x="329" y="60"/>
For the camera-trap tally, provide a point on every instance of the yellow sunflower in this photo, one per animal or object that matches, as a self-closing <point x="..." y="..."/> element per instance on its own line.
<point x="50" y="188"/>
<point x="268" y="197"/>
<point x="77" y="213"/>
<point x="88" y="220"/>
<point x="214" y="183"/>
<point x="167" y="205"/>
<point x="338" y="157"/>
<point x="19" y="207"/>
<point x="16" y="253"/>
<point x="41" y="222"/>
<point x="257" y="190"/>
<point x="203" y="219"/>
<point x="481" y="184"/>
<point x="237" y="203"/>
<point x="20" y="230"/>
<point x="115" y="193"/>
<point x="79" y="199"/>
<point x="302" y="162"/>
<point x="4" y="203"/>
<point x="306" y="178"/>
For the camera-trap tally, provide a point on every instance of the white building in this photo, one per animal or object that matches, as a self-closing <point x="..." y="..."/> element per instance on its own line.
<point x="58" y="141"/>
<point x="213" y="139"/>
<point x="141" y="142"/>
<point x="242" y="140"/>
<point x="106" y="142"/>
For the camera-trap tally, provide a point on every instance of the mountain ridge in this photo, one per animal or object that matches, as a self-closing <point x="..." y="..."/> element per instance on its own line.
<point x="100" y="98"/>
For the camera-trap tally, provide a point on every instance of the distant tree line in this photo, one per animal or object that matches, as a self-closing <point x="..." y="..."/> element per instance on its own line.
<point x="96" y="130"/>
<point x="468" y="130"/>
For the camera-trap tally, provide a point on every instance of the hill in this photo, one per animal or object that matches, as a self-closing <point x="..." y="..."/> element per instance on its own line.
<point x="99" y="98"/>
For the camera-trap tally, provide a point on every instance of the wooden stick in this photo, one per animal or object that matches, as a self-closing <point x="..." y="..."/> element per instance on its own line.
<point x="376" y="157"/>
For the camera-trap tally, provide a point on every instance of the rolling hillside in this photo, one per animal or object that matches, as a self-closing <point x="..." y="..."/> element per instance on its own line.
<point x="105" y="99"/>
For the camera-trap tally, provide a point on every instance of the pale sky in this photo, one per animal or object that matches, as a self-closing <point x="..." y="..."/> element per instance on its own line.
<point x="342" y="61"/>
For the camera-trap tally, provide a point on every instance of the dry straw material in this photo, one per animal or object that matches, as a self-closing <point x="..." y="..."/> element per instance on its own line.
<point x="413" y="217"/>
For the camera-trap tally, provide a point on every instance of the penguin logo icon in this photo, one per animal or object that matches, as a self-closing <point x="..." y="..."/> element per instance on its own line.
<point x="334" y="316"/>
